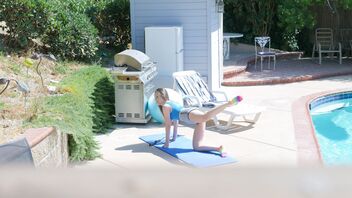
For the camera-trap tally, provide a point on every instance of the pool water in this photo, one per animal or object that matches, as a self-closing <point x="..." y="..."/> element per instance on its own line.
<point x="332" y="119"/>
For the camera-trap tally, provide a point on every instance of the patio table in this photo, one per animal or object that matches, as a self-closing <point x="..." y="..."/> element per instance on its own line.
<point x="226" y="43"/>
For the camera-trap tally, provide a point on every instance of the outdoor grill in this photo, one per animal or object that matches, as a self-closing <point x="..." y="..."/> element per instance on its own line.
<point x="133" y="75"/>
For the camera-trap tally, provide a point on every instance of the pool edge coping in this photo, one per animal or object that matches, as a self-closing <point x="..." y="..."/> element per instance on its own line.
<point x="308" y="149"/>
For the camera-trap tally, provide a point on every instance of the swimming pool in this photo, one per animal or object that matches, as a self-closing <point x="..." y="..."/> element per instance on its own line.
<point x="332" y="119"/>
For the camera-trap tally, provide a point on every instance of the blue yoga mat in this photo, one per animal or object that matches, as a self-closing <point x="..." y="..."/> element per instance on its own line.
<point x="182" y="150"/>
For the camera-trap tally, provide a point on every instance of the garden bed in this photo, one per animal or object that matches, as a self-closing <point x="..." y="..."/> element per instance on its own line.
<point x="81" y="105"/>
<point x="16" y="108"/>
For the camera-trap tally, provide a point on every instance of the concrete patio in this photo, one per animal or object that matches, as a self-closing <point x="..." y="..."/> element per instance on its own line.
<point x="269" y="142"/>
<point x="240" y="69"/>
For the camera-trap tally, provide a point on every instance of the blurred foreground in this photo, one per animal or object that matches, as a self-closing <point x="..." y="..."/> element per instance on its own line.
<point x="239" y="182"/>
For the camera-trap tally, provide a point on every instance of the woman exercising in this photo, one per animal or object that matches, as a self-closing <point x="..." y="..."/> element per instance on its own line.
<point x="173" y="112"/>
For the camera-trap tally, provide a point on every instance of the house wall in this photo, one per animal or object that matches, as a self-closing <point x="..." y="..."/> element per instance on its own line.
<point x="216" y="50"/>
<point x="200" y="25"/>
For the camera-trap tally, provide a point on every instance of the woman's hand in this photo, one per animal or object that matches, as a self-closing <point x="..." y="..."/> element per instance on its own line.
<point x="166" y="145"/>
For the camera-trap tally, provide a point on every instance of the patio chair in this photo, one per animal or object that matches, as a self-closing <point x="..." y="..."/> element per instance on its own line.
<point x="324" y="43"/>
<point x="261" y="51"/>
<point x="195" y="93"/>
<point x="17" y="152"/>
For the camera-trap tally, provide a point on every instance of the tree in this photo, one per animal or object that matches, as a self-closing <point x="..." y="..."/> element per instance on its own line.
<point x="288" y="22"/>
<point x="255" y="15"/>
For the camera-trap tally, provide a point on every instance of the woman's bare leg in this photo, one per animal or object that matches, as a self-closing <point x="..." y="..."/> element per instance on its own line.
<point x="199" y="117"/>
<point x="198" y="137"/>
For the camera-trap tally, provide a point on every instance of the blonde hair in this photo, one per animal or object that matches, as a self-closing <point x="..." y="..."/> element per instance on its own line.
<point x="163" y="93"/>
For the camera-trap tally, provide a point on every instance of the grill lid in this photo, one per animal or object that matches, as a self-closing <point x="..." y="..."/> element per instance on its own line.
<point x="132" y="58"/>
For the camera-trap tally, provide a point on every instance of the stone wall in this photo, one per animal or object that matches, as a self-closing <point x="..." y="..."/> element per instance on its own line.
<point x="49" y="147"/>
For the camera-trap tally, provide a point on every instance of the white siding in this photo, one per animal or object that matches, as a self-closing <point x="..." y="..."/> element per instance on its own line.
<point x="215" y="68"/>
<point x="201" y="29"/>
<point x="190" y="14"/>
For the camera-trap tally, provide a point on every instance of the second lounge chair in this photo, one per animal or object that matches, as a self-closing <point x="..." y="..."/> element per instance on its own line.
<point x="196" y="93"/>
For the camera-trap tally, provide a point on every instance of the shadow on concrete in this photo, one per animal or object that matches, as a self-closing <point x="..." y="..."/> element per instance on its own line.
<point x="236" y="127"/>
<point x="145" y="148"/>
<point x="150" y="124"/>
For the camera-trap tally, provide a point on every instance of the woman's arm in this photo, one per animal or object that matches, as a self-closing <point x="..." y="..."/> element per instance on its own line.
<point x="175" y="124"/>
<point x="166" y="114"/>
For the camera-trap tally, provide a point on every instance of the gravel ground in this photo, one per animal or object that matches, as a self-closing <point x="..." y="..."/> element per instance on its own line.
<point x="15" y="106"/>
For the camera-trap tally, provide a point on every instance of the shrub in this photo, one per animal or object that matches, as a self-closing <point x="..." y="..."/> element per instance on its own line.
<point x="25" y="20"/>
<point x="85" y="107"/>
<point x="71" y="36"/>
<point x="60" y="27"/>
<point x="112" y="19"/>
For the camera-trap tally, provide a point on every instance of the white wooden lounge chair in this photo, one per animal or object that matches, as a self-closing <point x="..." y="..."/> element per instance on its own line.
<point x="324" y="44"/>
<point x="196" y="93"/>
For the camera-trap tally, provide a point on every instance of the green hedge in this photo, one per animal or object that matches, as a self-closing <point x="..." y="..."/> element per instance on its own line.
<point x="25" y="20"/>
<point x="86" y="106"/>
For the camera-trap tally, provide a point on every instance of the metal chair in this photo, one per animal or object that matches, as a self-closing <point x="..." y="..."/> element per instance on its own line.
<point x="263" y="52"/>
<point x="324" y="43"/>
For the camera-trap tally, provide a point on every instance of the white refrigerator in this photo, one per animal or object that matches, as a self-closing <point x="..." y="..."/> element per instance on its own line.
<point x="164" y="46"/>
